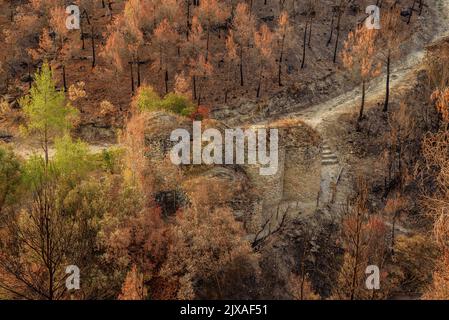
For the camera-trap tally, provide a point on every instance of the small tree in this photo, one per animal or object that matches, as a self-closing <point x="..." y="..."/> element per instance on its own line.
<point x="340" y="9"/>
<point x="358" y="57"/>
<point x="209" y="256"/>
<point x="392" y="35"/>
<point x="125" y="44"/>
<point x="194" y="47"/>
<point x="435" y="149"/>
<point x="263" y="41"/>
<point x="310" y="15"/>
<point x="283" y="33"/>
<point x="165" y="37"/>
<point x="45" y="235"/>
<point x="400" y="138"/>
<point x="363" y="239"/>
<point x="301" y="288"/>
<point x="243" y="24"/>
<point x="47" y="113"/>
<point x="201" y="70"/>
<point x="230" y="59"/>
<point x="393" y="208"/>
<point x="134" y="287"/>
<point x="210" y="13"/>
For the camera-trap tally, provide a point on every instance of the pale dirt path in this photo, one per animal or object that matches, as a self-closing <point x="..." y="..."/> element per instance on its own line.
<point x="25" y="151"/>
<point x="401" y="73"/>
<point x="320" y="115"/>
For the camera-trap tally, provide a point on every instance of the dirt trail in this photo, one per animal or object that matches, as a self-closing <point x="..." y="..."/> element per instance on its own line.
<point x="401" y="73"/>
<point x="26" y="151"/>
<point x="321" y="115"/>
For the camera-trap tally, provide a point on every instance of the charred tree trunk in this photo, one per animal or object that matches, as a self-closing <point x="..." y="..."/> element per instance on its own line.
<point x="207" y="42"/>
<point x="260" y="81"/>
<point x="241" y="67"/>
<point x="132" y="76"/>
<point x="281" y="59"/>
<point x="138" y="73"/>
<point x="393" y="233"/>
<point x="411" y="12"/>
<point x="337" y="35"/>
<point x="356" y="262"/>
<point x="166" y="81"/>
<point x="93" y="47"/>
<point x="30" y="79"/>
<point x="64" y="78"/>
<point x="83" y="46"/>
<point x="387" y="88"/>
<point x="362" y="105"/>
<point x="304" y="47"/>
<point x="188" y="20"/>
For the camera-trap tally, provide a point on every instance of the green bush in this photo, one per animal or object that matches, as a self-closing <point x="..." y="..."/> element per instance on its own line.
<point x="148" y="100"/>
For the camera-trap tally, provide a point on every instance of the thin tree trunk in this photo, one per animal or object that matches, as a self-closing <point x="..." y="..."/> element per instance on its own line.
<point x="411" y="12"/>
<point x="199" y="93"/>
<point x="362" y="106"/>
<point x="207" y="43"/>
<point x="29" y="78"/>
<point x="393" y="232"/>
<point x="228" y="81"/>
<point x="387" y="88"/>
<point x="260" y="81"/>
<point x="356" y="258"/>
<point x="337" y="36"/>
<point x="241" y="66"/>
<point x="83" y="47"/>
<point x="93" y="48"/>
<point x="166" y="81"/>
<point x="64" y="78"/>
<point x="46" y="146"/>
<point x="132" y="76"/>
<point x="188" y="20"/>
<point x="138" y="73"/>
<point x="281" y="59"/>
<point x="304" y="47"/>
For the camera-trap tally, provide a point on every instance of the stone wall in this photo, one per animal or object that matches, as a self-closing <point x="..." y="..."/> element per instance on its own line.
<point x="302" y="174"/>
<point x="270" y="187"/>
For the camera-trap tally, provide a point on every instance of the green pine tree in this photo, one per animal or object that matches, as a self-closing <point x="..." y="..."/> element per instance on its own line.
<point x="46" y="110"/>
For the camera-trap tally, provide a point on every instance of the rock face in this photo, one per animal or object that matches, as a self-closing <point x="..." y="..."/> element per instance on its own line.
<point x="302" y="165"/>
<point x="270" y="187"/>
<point x="299" y="165"/>
<point x="292" y="190"/>
<point x="96" y="132"/>
<point x="158" y="127"/>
